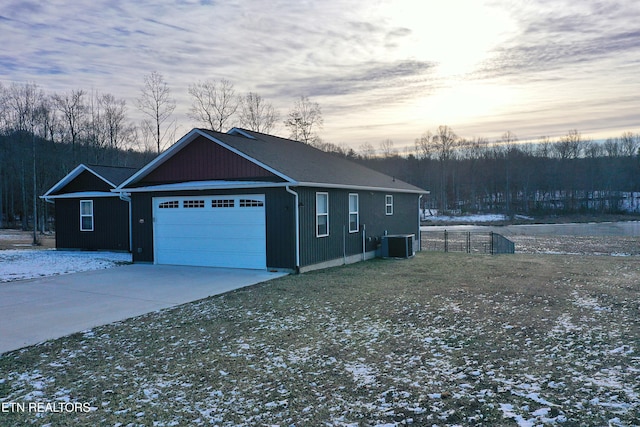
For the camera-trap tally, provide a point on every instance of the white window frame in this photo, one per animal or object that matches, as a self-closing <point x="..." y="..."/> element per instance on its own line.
<point x="355" y="212"/>
<point x="388" y="204"/>
<point x="84" y="215"/>
<point x="322" y="214"/>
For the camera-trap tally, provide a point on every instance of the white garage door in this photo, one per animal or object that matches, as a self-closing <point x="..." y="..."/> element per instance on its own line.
<point x="212" y="231"/>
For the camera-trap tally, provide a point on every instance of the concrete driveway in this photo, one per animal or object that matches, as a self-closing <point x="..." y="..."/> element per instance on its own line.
<point x="34" y="311"/>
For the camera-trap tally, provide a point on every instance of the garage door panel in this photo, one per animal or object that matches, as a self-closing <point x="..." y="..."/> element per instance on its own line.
<point x="208" y="258"/>
<point x="228" y="233"/>
<point x="212" y="233"/>
<point x="236" y="246"/>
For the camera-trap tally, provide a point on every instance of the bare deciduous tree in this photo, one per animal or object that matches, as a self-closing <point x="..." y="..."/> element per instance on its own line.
<point x="73" y="109"/>
<point x="156" y="103"/>
<point x="304" y="121"/>
<point x="424" y="146"/>
<point x="569" y="146"/>
<point x="387" y="148"/>
<point x="118" y="129"/>
<point x="629" y="144"/>
<point x="256" y="114"/>
<point x="214" y="103"/>
<point x="366" y="151"/>
<point x="445" y="143"/>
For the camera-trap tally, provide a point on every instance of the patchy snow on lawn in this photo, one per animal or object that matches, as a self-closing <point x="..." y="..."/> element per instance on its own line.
<point x="390" y="354"/>
<point x="29" y="264"/>
<point x="466" y="218"/>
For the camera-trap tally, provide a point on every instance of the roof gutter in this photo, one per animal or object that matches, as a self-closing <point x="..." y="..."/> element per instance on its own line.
<point x="297" y="214"/>
<point x="363" y="187"/>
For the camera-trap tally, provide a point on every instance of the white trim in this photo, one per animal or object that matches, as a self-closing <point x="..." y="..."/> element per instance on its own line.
<point x="359" y="187"/>
<point x="204" y="185"/>
<point x="387" y="204"/>
<point x="419" y="239"/>
<point x="81" y="194"/>
<point x="87" y="216"/>
<point x="71" y="176"/>
<point x="213" y="185"/>
<point x="322" y="193"/>
<point x="356" y="212"/>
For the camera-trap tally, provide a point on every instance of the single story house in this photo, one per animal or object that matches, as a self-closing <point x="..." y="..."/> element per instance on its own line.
<point x="244" y="199"/>
<point x="88" y="214"/>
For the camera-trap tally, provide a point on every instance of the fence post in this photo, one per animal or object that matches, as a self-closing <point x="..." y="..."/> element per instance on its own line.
<point x="446" y="241"/>
<point x="468" y="242"/>
<point x="491" y="246"/>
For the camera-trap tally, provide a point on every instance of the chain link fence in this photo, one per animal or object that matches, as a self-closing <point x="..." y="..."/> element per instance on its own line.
<point x="467" y="241"/>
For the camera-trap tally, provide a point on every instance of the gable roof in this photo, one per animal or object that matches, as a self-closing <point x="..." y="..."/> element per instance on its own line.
<point x="298" y="164"/>
<point x="111" y="175"/>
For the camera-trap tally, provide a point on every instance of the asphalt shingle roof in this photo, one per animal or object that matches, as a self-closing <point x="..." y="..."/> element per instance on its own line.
<point x="306" y="164"/>
<point x="114" y="174"/>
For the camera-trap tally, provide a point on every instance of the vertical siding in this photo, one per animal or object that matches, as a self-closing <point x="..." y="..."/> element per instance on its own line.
<point x="203" y="160"/>
<point x="86" y="181"/>
<point x="110" y="225"/>
<point x="339" y="242"/>
<point x="280" y="223"/>
<point x="372" y="216"/>
<point x="281" y="242"/>
<point x="141" y="227"/>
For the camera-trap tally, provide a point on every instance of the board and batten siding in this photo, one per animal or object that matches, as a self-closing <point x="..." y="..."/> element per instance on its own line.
<point x="202" y="160"/>
<point x="110" y="224"/>
<point x="372" y="215"/>
<point x="280" y="223"/>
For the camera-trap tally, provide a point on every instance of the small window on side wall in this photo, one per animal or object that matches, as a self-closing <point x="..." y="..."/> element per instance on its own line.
<point x="354" y="216"/>
<point x="86" y="215"/>
<point x="388" y="204"/>
<point x="322" y="214"/>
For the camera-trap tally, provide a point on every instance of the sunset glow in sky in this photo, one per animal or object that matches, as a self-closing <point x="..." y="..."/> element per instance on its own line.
<point x="380" y="69"/>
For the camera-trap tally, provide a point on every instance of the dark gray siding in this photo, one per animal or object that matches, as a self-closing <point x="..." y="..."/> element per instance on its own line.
<point x="280" y="223"/>
<point x="373" y="218"/>
<point x="141" y="227"/>
<point x="110" y="225"/>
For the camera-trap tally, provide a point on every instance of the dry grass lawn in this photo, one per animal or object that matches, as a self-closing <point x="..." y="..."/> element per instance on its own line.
<point x="441" y="339"/>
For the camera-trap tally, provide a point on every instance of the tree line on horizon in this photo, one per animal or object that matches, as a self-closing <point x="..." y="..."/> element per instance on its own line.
<point x="568" y="175"/>
<point x="44" y="136"/>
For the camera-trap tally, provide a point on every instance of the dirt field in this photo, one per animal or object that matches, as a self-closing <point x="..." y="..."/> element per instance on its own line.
<point x="17" y="239"/>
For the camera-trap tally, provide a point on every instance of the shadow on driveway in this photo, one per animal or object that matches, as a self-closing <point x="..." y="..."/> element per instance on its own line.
<point x="38" y="310"/>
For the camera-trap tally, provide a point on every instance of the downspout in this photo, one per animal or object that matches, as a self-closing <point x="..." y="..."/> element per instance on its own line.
<point x="364" y="242"/>
<point x="297" y="214"/>
<point x="126" y="197"/>
<point x="419" y="231"/>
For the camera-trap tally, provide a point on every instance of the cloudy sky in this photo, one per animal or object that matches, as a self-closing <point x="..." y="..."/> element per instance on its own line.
<point x="380" y="69"/>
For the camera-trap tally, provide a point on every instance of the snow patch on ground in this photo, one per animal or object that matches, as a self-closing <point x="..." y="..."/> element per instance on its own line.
<point x="30" y="264"/>
<point x="466" y="218"/>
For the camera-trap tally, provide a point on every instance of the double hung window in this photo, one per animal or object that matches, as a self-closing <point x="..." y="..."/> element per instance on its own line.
<point x="388" y="204"/>
<point x="86" y="215"/>
<point x="354" y="216"/>
<point x="322" y="214"/>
